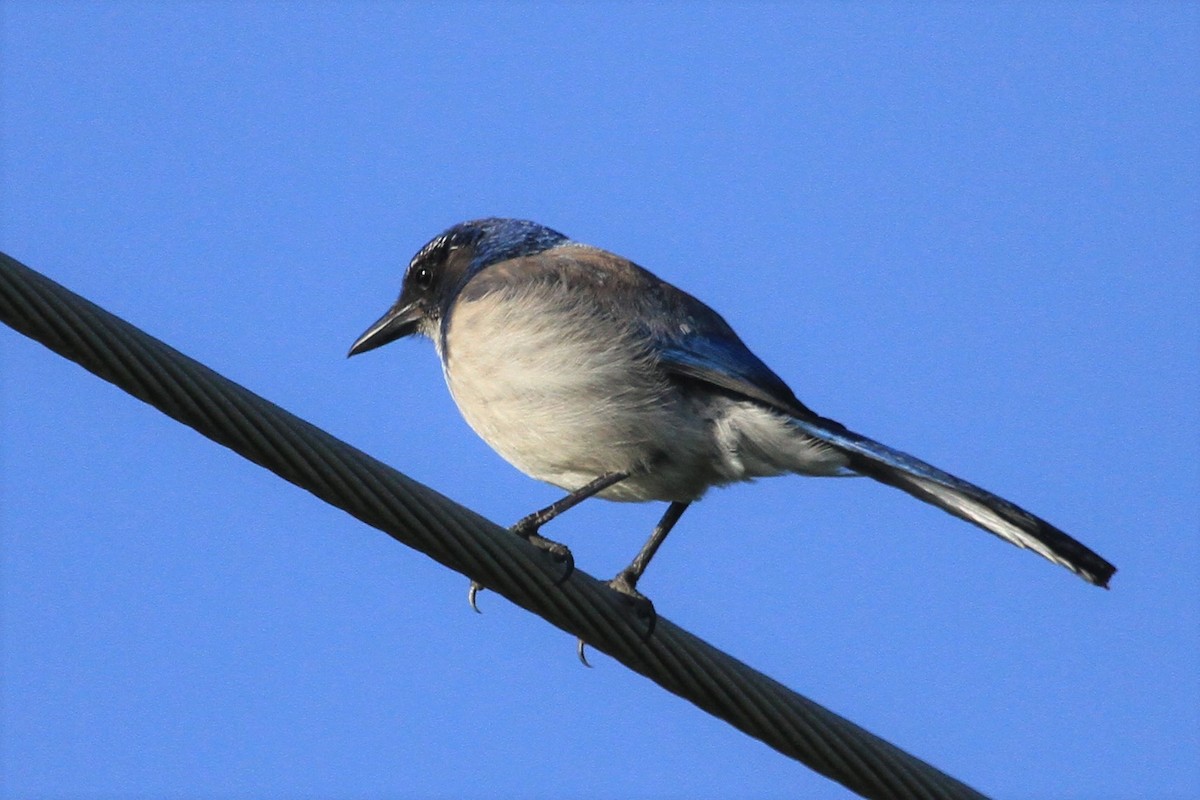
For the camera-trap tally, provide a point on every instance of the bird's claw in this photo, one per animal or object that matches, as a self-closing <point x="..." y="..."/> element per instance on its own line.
<point x="630" y="596"/>
<point x="560" y="552"/>
<point x="472" y="593"/>
<point x="580" y="650"/>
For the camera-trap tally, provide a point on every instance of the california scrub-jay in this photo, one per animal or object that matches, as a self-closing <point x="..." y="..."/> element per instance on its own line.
<point x="586" y="371"/>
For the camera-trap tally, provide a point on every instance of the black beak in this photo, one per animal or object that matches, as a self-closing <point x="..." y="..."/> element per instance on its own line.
<point x="398" y="322"/>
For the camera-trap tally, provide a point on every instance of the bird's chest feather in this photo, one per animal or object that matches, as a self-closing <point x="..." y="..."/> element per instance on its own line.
<point x="558" y="388"/>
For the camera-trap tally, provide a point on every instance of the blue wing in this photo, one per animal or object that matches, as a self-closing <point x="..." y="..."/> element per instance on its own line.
<point x="705" y="348"/>
<point x="729" y="365"/>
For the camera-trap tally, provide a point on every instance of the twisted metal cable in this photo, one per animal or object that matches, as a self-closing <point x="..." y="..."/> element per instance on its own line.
<point x="462" y="540"/>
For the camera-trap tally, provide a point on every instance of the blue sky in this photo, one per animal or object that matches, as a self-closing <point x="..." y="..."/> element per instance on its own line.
<point x="972" y="234"/>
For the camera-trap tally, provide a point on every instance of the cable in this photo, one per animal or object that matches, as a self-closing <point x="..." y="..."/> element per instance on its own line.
<point x="457" y="537"/>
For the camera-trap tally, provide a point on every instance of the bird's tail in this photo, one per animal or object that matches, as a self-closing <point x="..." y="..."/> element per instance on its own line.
<point x="965" y="500"/>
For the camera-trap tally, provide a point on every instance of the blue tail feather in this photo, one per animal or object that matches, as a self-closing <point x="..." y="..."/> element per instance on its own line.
<point x="960" y="498"/>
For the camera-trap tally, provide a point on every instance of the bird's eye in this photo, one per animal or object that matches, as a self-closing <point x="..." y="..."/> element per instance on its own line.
<point x="423" y="277"/>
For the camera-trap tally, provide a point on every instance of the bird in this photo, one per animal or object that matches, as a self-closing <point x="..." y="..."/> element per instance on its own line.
<point x="586" y="371"/>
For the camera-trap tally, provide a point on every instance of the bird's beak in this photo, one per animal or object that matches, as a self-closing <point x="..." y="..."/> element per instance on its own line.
<point x="399" y="321"/>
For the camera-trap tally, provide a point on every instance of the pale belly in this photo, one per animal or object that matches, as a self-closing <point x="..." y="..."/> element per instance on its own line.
<point x="566" y="402"/>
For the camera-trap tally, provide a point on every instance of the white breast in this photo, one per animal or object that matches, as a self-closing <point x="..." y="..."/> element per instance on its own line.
<point x="565" y="393"/>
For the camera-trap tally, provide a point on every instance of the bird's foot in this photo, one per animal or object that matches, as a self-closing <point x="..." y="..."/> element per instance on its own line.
<point x="626" y="586"/>
<point x="558" y="551"/>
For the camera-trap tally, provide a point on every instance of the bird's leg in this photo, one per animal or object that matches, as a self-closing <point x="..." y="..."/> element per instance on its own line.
<point x="627" y="579"/>
<point x="527" y="527"/>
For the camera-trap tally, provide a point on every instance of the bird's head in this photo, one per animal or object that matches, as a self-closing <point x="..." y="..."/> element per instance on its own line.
<point x="442" y="267"/>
